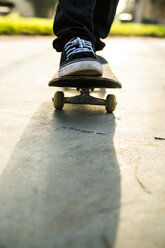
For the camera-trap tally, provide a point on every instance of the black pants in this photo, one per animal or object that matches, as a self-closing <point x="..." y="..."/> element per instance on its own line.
<point x="88" y="19"/>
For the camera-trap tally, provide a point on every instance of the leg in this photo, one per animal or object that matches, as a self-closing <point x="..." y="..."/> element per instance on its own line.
<point x="73" y="18"/>
<point x="73" y="26"/>
<point x="88" y="20"/>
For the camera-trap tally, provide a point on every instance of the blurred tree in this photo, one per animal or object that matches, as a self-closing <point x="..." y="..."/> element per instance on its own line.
<point x="43" y="8"/>
<point x="159" y="1"/>
<point x="138" y="10"/>
<point x="139" y="5"/>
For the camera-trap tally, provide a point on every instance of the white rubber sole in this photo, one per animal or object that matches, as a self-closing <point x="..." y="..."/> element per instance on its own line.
<point x="81" y="68"/>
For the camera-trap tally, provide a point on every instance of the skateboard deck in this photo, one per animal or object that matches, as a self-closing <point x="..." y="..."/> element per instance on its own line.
<point x="84" y="84"/>
<point x="108" y="80"/>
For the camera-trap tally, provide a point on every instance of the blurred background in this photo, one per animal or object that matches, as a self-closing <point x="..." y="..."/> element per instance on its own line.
<point x="35" y="17"/>
<point x="140" y="11"/>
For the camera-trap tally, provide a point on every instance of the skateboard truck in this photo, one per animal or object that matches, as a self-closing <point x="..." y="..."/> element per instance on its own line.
<point x="84" y="98"/>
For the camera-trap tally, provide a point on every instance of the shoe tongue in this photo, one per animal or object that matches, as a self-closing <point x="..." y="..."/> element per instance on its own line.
<point x="80" y="42"/>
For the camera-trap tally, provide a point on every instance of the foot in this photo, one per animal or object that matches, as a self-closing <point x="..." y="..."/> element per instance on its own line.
<point x="79" y="58"/>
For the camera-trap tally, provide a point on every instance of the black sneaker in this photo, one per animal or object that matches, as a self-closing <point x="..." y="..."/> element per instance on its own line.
<point x="79" y="58"/>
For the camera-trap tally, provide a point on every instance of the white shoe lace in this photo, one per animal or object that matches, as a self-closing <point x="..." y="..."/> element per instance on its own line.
<point x="77" y="45"/>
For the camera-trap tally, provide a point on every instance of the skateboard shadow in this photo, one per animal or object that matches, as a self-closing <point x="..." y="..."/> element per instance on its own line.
<point x="61" y="186"/>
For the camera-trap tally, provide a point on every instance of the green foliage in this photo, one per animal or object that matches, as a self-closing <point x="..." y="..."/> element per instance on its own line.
<point x="14" y="24"/>
<point x="29" y="26"/>
<point x="135" y="29"/>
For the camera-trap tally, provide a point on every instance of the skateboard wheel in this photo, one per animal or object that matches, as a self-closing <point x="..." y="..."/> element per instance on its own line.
<point x="110" y="103"/>
<point x="58" y="100"/>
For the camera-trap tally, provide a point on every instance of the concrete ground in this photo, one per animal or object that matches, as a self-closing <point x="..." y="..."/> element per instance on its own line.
<point x="82" y="178"/>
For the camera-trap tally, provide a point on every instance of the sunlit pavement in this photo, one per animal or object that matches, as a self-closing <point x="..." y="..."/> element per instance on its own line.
<point x="81" y="177"/>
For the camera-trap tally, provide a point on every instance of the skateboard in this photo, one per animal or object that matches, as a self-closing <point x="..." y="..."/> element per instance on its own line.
<point x="85" y="85"/>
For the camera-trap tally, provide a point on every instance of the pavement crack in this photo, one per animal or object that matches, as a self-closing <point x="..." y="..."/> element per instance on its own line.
<point x="82" y="130"/>
<point x="101" y="133"/>
<point x="77" y="130"/>
<point x="138" y="180"/>
<point x="106" y="241"/>
<point x="159" y="138"/>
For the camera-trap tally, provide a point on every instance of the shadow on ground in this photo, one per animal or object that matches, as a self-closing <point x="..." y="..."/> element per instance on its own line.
<point x="61" y="187"/>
